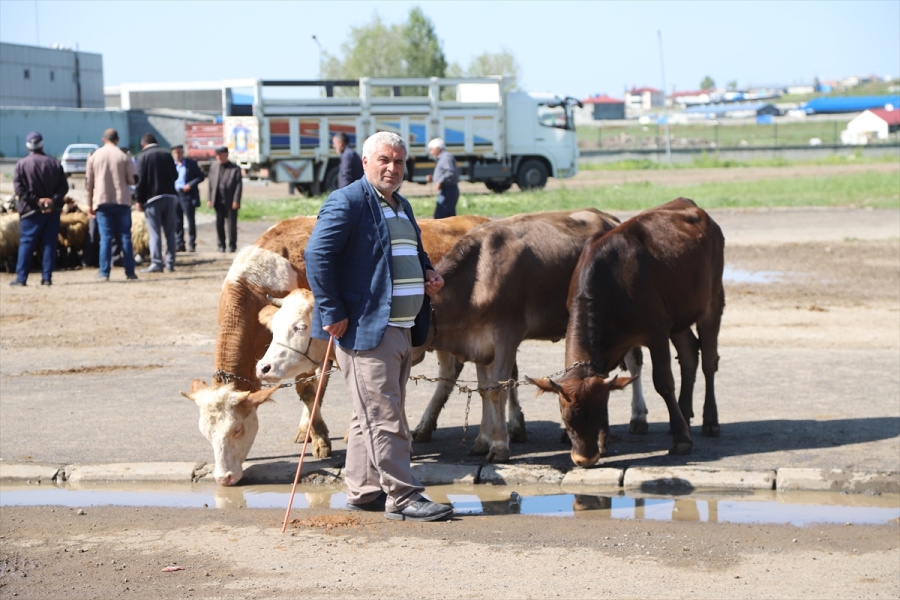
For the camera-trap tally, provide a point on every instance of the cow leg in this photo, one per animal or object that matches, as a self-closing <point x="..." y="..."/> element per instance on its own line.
<point x="688" y="349"/>
<point x="448" y="372"/>
<point x="708" y="328"/>
<point x="634" y="362"/>
<point x="517" y="433"/>
<point x="665" y="387"/>
<point x="483" y="442"/>
<point x="321" y="443"/>
<point x="500" y="371"/>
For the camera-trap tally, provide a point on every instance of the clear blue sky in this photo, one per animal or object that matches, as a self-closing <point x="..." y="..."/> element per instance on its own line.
<point x="574" y="48"/>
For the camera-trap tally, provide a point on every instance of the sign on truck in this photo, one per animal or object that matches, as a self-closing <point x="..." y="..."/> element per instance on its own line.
<point x="498" y="137"/>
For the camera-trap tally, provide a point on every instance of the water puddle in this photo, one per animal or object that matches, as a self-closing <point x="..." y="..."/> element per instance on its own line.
<point x="735" y="275"/>
<point x="769" y="507"/>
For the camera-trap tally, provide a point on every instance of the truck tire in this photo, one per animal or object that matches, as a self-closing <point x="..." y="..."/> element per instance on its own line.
<point x="498" y="187"/>
<point x="532" y="175"/>
<point x="329" y="184"/>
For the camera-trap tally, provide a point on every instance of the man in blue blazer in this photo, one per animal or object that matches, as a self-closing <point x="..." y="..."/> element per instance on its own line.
<point x="371" y="280"/>
<point x="187" y="186"/>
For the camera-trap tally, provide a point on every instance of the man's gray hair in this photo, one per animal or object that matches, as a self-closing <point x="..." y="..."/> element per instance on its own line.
<point x="388" y="138"/>
<point x="437" y="143"/>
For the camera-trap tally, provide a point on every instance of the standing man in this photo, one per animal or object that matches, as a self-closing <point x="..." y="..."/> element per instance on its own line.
<point x="108" y="174"/>
<point x="187" y="186"/>
<point x="156" y="197"/>
<point x="369" y="274"/>
<point x="225" y="189"/>
<point x="40" y="185"/>
<point x="446" y="176"/>
<point x="351" y="165"/>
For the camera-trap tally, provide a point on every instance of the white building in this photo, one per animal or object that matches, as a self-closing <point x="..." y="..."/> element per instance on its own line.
<point x="877" y="123"/>
<point x="32" y="76"/>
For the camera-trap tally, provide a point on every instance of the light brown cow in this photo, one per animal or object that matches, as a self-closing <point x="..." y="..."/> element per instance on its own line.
<point x="505" y="282"/>
<point x="273" y="266"/>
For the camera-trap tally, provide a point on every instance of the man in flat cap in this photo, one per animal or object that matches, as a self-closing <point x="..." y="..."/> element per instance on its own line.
<point x="187" y="186"/>
<point x="225" y="190"/>
<point x="41" y="187"/>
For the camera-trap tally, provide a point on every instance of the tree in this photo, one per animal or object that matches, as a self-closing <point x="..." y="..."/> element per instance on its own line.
<point x="731" y="86"/>
<point x="499" y="63"/>
<point x="707" y="83"/>
<point x="411" y="49"/>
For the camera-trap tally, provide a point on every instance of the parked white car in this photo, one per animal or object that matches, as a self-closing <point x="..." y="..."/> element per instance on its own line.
<point x="74" y="158"/>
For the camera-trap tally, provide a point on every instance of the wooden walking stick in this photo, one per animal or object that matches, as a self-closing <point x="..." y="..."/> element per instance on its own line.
<point x="312" y="418"/>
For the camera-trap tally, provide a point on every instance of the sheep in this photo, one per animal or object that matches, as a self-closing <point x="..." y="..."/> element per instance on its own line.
<point x="73" y="229"/>
<point x="140" y="237"/>
<point x="9" y="241"/>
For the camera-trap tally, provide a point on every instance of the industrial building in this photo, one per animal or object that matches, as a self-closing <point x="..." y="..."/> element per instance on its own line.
<point x="60" y="77"/>
<point x="602" y="107"/>
<point x="199" y="96"/>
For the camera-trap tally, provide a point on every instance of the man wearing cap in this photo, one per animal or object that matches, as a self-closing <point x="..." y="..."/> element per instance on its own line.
<point x="156" y="197"/>
<point x="225" y="188"/>
<point x="108" y="174"/>
<point x="187" y="186"/>
<point x="40" y="185"/>
<point x="446" y="176"/>
<point x="351" y="168"/>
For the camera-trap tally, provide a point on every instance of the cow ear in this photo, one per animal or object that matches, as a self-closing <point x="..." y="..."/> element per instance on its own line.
<point x="239" y="397"/>
<point x="544" y="384"/>
<point x="618" y="383"/>
<point x="189" y="396"/>
<point x="265" y="315"/>
<point x="263" y="395"/>
<point x="197" y="385"/>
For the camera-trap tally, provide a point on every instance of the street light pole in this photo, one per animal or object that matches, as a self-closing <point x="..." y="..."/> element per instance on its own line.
<point x="316" y="40"/>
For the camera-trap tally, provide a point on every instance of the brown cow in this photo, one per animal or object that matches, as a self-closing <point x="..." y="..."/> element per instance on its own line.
<point x="274" y="265"/>
<point x="643" y="284"/>
<point x="505" y="282"/>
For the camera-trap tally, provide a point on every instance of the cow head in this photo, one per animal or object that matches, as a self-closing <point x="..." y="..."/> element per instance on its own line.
<point x="228" y="420"/>
<point x="293" y="350"/>
<point x="583" y="405"/>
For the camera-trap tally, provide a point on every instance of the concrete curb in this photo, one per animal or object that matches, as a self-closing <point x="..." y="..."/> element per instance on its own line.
<point x="650" y="479"/>
<point x="657" y="478"/>
<point x="838" y="480"/>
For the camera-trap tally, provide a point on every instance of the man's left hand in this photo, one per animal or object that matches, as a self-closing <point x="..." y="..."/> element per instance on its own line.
<point x="187" y="187"/>
<point x="235" y="206"/>
<point x="433" y="282"/>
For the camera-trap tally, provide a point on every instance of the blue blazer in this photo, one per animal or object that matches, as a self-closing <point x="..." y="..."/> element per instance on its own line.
<point x="348" y="265"/>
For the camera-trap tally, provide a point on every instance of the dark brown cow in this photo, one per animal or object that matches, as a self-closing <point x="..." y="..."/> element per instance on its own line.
<point x="643" y="284"/>
<point x="506" y="281"/>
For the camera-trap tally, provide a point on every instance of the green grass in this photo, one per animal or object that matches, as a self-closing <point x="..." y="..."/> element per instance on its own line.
<point x="709" y="160"/>
<point x="875" y="190"/>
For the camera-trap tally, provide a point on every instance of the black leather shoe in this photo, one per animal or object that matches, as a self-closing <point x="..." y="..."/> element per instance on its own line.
<point x="17" y="283"/>
<point x="131" y="277"/>
<point x="181" y="249"/>
<point x="376" y="505"/>
<point x="422" y="510"/>
<point x="46" y="282"/>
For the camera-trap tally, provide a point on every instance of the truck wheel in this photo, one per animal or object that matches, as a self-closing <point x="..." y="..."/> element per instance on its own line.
<point x="331" y="180"/>
<point x="532" y="175"/>
<point x="498" y="187"/>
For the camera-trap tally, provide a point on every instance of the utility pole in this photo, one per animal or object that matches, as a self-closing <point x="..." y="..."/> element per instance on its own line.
<point x="316" y="40"/>
<point x="665" y="106"/>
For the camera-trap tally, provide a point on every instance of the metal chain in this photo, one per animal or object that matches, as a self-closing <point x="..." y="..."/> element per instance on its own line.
<point x="226" y="377"/>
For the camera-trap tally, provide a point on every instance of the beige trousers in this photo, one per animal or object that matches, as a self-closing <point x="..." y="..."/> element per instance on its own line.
<point x="378" y="454"/>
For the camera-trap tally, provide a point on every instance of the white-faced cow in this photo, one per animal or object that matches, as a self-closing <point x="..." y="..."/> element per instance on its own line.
<point x="272" y="267"/>
<point x="643" y="284"/>
<point x="505" y="282"/>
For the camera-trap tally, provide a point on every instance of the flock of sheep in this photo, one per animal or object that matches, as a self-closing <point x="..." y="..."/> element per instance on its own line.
<point x="74" y="225"/>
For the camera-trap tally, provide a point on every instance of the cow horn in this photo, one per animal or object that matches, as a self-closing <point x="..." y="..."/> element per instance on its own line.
<point x="611" y="380"/>
<point x="276" y="301"/>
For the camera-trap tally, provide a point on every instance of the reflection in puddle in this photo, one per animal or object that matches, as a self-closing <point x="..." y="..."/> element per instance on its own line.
<point x="735" y="275"/>
<point x="795" y="508"/>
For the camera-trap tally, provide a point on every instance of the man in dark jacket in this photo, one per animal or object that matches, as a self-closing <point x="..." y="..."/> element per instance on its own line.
<point x="41" y="187"/>
<point x="187" y="186"/>
<point x="225" y="189"/>
<point x="156" y="197"/>
<point x="351" y="168"/>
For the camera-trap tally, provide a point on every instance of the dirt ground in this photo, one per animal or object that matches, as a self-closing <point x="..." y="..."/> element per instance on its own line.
<point x="121" y="350"/>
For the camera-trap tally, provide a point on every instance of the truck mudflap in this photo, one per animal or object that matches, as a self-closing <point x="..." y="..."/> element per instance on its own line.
<point x="294" y="171"/>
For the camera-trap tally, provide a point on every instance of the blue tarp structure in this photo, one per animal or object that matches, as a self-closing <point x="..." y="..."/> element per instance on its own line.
<point x="848" y="104"/>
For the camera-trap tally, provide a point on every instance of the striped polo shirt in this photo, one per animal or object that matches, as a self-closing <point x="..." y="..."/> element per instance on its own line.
<point x="409" y="281"/>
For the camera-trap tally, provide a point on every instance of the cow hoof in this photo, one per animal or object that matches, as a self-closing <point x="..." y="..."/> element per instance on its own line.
<point x="321" y="448"/>
<point x="681" y="448"/>
<point x="479" y="448"/>
<point x="637" y="426"/>
<point x="301" y="435"/>
<point x="421" y="436"/>
<point x="711" y="430"/>
<point x="498" y="454"/>
<point x="518" y="435"/>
